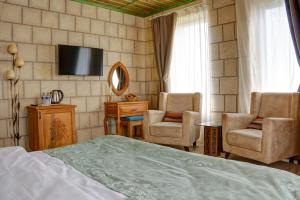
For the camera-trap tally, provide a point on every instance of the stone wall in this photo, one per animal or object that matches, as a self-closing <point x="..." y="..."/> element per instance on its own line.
<point x="37" y="26"/>
<point x="224" y="57"/>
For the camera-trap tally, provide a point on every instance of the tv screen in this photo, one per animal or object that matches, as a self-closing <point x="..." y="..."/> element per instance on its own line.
<point x="75" y="60"/>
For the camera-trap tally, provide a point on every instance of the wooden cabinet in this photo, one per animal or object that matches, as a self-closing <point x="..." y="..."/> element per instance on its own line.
<point x="123" y="109"/>
<point x="51" y="126"/>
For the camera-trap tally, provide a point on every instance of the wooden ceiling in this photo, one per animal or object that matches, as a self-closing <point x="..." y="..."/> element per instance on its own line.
<point x="141" y="8"/>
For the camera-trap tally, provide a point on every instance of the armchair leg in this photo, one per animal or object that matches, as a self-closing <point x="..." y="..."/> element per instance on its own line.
<point x="227" y="155"/>
<point x="292" y="159"/>
<point x="187" y="149"/>
<point x="195" y="144"/>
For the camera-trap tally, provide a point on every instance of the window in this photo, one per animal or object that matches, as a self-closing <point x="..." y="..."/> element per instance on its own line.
<point x="189" y="70"/>
<point x="267" y="59"/>
<point x="282" y="73"/>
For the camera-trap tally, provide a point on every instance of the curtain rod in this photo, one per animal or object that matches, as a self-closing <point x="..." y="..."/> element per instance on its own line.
<point x="193" y="4"/>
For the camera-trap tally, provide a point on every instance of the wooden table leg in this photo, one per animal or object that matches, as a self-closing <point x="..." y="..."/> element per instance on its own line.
<point x="291" y="160"/>
<point x="130" y="129"/>
<point x="142" y="131"/>
<point x="118" y="124"/>
<point x="227" y="155"/>
<point x="105" y="125"/>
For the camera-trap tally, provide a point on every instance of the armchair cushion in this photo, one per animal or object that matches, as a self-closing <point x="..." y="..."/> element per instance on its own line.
<point x="173" y="117"/>
<point x="245" y="138"/>
<point x="166" y="129"/>
<point x="180" y="102"/>
<point x="256" y="123"/>
<point x="275" y="105"/>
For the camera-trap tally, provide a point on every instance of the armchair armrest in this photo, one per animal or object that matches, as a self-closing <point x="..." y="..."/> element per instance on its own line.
<point x="275" y="121"/>
<point x="189" y="118"/>
<point x="189" y="130"/>
<point x="232" y="121"/>
<point x="151" y="117"/>
<point x="273" y="127"/>
<point x="280" y="137"/>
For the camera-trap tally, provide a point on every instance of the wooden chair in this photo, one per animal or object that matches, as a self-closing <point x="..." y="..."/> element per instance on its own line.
<point x="131" y="123"/>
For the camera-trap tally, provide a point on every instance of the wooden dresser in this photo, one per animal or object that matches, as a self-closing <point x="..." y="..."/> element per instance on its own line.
<point x="51" y="126"/>
<point x="123" y="109"/>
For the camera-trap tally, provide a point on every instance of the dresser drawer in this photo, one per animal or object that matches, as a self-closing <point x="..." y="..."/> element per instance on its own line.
<point x="111" y="109"/>
<point x="138" y="109"/>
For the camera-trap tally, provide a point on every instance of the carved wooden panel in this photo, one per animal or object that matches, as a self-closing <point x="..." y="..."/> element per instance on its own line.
<point x="58" y="129"/>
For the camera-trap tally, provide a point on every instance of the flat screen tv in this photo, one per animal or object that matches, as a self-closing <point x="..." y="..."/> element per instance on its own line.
<point x="74" y="60"/>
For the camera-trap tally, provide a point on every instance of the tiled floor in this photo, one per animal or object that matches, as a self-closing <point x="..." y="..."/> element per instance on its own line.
<point x="293" y="168"/>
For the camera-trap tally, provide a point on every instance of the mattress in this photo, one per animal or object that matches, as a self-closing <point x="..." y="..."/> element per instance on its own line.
<point x="142" y="170"/>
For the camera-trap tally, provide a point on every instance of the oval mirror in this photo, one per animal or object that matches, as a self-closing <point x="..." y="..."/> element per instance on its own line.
<point x="118" y="78"/>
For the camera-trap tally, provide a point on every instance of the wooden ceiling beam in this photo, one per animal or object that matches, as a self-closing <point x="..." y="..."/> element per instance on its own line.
<point x="142" y="8"/>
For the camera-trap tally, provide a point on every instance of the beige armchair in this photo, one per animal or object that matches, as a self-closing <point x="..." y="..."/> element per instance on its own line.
<point x="280" y="135"/>
<point x="171" y="133"/>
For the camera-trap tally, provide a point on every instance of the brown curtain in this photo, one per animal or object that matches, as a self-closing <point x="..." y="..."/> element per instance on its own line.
<point x="293" y="13"/>
<point x="163" y="32"/>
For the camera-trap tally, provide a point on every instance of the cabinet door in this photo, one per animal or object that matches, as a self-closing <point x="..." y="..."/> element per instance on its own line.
<point x="57" y="129"/>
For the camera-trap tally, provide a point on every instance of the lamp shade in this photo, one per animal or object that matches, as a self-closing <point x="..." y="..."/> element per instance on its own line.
<point x="19" y="62"/>
<point x="12" y="48"/>
<point x="10" y="74"/>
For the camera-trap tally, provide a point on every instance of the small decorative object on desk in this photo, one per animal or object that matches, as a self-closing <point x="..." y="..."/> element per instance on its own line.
<point x="56" y="96"/>
<point x="46" y="99"/>
<point x="132" y="97"/>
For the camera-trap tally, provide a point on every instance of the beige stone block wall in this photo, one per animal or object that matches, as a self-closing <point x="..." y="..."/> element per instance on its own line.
<point x="38" y="26"/>
<point x="224" y="57"/>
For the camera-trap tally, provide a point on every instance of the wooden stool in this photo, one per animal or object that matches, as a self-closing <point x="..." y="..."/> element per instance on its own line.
<point x="131" y="123"/>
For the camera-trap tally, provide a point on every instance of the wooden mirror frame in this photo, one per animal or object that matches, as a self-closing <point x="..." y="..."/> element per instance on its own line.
<point x="110" y="75"/>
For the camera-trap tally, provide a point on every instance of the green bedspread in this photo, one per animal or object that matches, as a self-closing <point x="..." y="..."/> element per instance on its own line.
<point x="147" y="171"/>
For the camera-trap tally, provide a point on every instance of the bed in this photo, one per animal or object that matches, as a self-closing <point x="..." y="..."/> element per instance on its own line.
<point x="123" y="168"/>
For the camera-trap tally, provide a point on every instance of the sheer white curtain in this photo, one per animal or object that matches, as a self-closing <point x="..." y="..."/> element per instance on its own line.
<point x="267" y="58"/>
<point x="190" y="70"/>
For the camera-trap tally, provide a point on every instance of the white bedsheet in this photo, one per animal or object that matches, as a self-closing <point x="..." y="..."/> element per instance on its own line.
<point x="37" y="176"/>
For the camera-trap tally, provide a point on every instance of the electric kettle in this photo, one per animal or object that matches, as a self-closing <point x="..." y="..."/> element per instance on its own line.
<point x="56" y="96"/>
